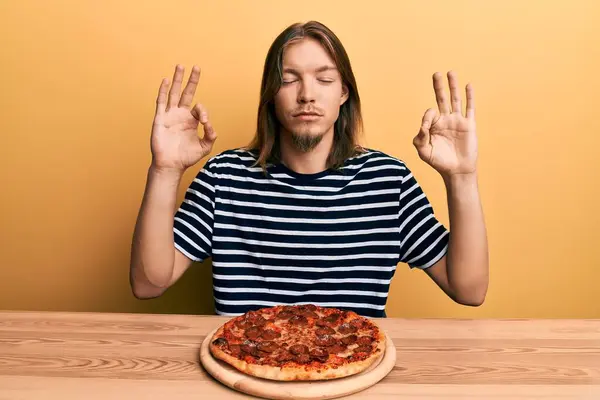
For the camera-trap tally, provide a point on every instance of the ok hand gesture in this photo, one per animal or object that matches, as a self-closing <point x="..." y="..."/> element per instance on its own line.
<point x="175" y="143"/>
<point x="447" y="139"/>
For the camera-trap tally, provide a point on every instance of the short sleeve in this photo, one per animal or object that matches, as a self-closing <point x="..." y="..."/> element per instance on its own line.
<point x="423" y="239"/>
<point x="193" y="221"/>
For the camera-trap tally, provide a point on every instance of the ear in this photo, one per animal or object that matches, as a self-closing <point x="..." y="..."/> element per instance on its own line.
<point x="345" y="94"/>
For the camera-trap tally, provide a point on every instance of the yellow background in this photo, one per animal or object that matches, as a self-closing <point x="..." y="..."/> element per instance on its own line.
<point x="79" y="80"/>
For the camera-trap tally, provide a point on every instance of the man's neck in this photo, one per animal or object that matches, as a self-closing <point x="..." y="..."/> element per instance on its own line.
<point x="311" y="162"/>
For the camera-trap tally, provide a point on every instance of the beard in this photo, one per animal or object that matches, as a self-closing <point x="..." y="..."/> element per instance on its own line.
<point x="305" y="142"/>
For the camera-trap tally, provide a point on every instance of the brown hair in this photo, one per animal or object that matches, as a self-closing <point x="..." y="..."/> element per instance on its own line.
<point x="349" y="123"/>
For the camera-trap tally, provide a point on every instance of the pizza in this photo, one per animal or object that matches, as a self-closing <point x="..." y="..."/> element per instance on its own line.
<point x="298" y="343"/>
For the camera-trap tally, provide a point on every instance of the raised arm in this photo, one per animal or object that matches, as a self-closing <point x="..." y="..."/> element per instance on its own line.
<point x="447" y="141"/>
<point x="155" y="262"/>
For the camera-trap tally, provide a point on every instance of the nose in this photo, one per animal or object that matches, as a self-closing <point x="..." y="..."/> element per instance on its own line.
<point x="306" y="92"/>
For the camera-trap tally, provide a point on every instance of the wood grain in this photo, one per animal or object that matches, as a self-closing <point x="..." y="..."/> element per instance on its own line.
<point x="88" y="355"/>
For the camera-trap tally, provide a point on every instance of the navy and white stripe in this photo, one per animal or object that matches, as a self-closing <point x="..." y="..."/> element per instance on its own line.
<point x="333" y="238"/>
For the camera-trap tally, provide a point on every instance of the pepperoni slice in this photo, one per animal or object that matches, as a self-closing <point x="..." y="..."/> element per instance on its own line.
<point x="346" y="329"/>
<point x="348" y="340"/>
<point x="244" y="324"/>
<point x="285" y="315"/>
<point x="331" y="319"/>
<point x="336" y="348"/>
<point x="322" y="323"/>
<point x="319" y="354"/>
<point x="267" y="347"/>
<point x="302" y="358"/>
<point x="235" y="350"/>
<point x="357" y="323"/>
<point x="259" y="321"/>
<point x="308" y="314"/>
<point x="310" y="307"/>
<point x="285" y="356"/>
<point x="307" y="311"/>
<point x="270" y="334"/>
<point x="298" y="320"/>
<point x="256" y="318"/>
<point x="249" y="347"/>
<point x="325" y="330"/>
<point x="363" y="340"/>
<point x="363" y="349"/>
<point x="253" y="333"/>
<point x="325" y="340"/>
<point x="299" y="349"/>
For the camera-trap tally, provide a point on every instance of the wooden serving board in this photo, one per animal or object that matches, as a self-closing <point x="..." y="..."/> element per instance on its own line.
<point x="270" y="389"/>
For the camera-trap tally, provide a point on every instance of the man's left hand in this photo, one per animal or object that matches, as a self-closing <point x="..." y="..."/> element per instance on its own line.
<point x="447" y="139"/>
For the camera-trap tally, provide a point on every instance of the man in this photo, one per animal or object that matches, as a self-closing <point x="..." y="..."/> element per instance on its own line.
<point x="304" y="214"/>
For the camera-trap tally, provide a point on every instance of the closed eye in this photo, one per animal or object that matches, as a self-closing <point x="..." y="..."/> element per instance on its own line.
<point x="289" y="81"/>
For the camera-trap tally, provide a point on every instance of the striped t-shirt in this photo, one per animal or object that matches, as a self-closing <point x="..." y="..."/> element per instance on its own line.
<point x="332" y="238"/>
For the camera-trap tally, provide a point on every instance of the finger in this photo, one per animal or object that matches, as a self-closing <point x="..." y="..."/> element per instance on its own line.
<point x="428" y="118"/>
<point x="199" y="112"/>
<point x="161" y="99"/>
<point x="423" y="137"/>
<point x="440" y="96"/>
<point x="422" y="144"/>
<point x="190" y="88"/>
<point x="454" y="93"/>
<point x="470" y="101"/>
<point x="209" y="133"/>
<point x="175" y="87"/>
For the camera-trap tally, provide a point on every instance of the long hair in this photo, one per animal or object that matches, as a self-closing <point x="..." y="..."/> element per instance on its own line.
<point x="349" y="123"/>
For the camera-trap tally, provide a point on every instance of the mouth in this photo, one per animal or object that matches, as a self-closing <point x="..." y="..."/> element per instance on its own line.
<point x="307" y="116"/>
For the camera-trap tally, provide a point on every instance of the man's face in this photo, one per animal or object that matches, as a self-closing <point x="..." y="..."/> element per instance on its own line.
<point x="309" y="100"/>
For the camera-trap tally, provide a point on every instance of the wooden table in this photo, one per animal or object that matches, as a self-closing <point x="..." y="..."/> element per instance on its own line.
<point x="51" y="355"/>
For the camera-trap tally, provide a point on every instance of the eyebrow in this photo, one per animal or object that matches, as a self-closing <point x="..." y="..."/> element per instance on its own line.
<point x="324" y="68"/>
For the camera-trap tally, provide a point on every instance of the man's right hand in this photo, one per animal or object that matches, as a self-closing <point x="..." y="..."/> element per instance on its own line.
<point x="175" y="143"/>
